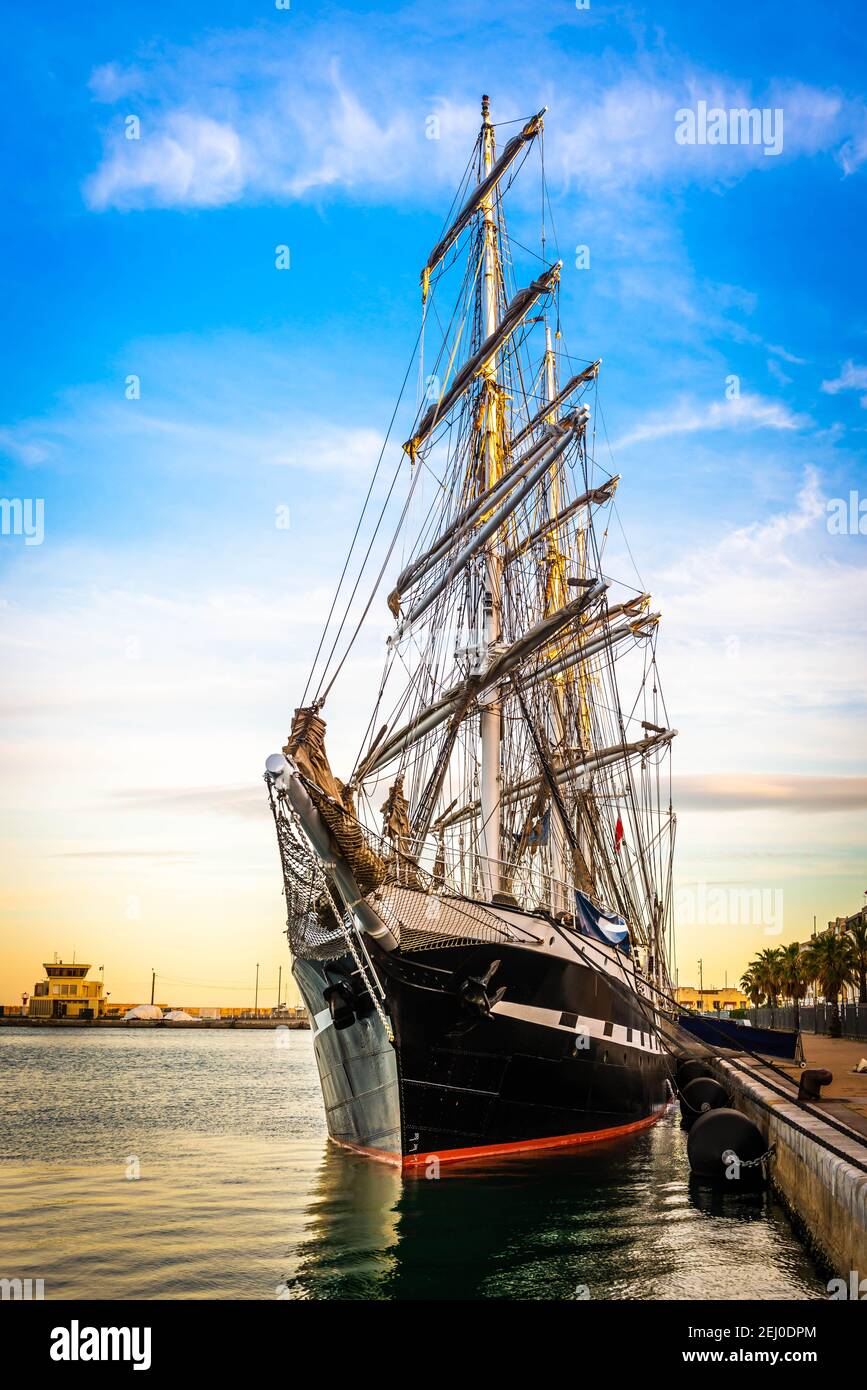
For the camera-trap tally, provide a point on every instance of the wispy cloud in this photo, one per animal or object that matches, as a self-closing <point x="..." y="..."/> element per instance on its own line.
<point x="244" y="801"/>
<point x="744" y="791"/>
<point x="300" y="131"/>
<point x="209" y="406"/>
<point x="745" y="412"/>
<point x="154" y="856"/>
<point x="768" y="536"/>
<point x="786" y="355"/>
<point x="754" y="624"/>
<point x="233" y="119"/>
<point x="777" y="373"/>
<point x="16" y="445"/>
<point x="189" y="161"/>
<point x="852" y="378"/>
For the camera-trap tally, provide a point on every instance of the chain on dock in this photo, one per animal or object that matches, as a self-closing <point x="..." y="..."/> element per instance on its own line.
<point x="756" y="1162"/>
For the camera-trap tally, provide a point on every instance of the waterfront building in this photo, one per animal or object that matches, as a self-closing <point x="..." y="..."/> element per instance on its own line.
<point x="67" y="993"/>
<point x="711" y="1000"/>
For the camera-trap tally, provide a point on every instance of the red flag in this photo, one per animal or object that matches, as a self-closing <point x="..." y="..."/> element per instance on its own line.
<point x="618" y="834"/>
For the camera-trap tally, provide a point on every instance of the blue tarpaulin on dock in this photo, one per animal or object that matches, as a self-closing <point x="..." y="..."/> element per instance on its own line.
<point x="727" y="1032"/>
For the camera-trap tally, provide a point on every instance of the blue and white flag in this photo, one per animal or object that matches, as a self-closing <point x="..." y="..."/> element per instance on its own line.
<point x="603" y="926"/>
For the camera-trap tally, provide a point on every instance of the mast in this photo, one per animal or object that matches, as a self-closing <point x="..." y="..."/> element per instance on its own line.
<point x="491" y="715"/>
<point x="555" y="597"/>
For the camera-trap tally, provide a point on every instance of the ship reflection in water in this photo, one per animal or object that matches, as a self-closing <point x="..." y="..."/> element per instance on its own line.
<point x="619" y="1221"/>
<point x="167" y="1165"/>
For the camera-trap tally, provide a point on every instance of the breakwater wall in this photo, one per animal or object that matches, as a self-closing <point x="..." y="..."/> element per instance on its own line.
<point x="194" y="1024"/>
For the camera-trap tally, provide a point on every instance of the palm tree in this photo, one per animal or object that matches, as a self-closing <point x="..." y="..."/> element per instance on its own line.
<point x="751" y="986"/>
<point x="831" y="962"/>
<point x="794" y="977"/>
<point x="767" y="966"/>
<point x="857" y="929"/>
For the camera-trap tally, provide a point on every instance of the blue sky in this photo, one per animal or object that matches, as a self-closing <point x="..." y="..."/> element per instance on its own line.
<point x="157" y="640"/>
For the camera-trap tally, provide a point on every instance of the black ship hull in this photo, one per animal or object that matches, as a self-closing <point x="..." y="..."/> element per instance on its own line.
<point x="494" y="1049"/>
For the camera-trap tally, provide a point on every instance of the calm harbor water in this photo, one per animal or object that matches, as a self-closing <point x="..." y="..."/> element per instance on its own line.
<point x="167" y="1164"/>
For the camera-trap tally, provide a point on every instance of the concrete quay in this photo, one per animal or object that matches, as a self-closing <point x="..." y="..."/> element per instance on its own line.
<point x="819" y="1167"/>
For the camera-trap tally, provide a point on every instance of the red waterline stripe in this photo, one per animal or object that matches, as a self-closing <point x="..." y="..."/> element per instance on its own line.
<point x="381" y="1155"/>
<point x="558" y="1141"/>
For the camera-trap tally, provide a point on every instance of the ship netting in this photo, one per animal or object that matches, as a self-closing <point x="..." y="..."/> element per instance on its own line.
<point x="420" y="911"/>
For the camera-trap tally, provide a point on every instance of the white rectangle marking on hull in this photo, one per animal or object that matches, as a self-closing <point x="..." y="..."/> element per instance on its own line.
<point x="550" y="1018"/>
<point x="322" y="1020"/>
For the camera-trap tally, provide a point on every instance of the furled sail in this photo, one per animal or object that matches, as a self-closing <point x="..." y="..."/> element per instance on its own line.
<point x="584" y="650"/>
<point x="594" y="496"/>
<point x="395" y="817"/>
<point x="333" y="800"/>
<point x="491" y="524"/>
<point x="578" y="763"/>
<point x="588" y="374"/>
<point x="429" y="719"/>
<point x="464" y="522"/>
<point x="517" y="310"/>
<point x="482" y="190"/>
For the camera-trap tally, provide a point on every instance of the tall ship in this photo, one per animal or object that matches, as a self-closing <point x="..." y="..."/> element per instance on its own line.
<point x="480" y="914"/>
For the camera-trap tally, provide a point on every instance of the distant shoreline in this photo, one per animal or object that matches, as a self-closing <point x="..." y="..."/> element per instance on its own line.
<point x="20" y="1022"/>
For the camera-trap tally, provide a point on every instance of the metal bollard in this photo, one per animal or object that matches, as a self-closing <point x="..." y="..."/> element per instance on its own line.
<point x="811" y="1083"/>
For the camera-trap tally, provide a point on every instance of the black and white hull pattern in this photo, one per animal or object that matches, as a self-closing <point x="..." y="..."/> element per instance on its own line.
<point x="497" y="1049"/>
